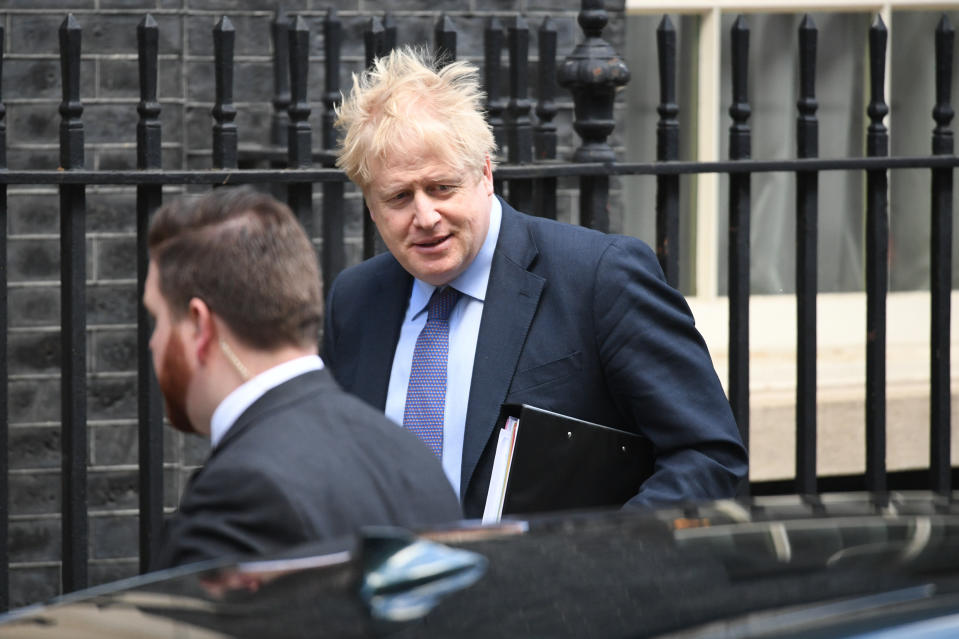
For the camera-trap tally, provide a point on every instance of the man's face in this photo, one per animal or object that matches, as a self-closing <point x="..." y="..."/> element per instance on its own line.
<point x="169" y="355"/>
<point x="432" y="218"/>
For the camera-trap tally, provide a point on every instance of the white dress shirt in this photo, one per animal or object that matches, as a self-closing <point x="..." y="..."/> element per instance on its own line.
<point x="464" y="323"/>
<point x="234" y="404"/>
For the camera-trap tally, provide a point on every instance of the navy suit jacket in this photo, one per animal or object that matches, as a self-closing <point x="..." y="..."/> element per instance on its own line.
<point x="577" y="322"/>
<point x="305" y="462"/>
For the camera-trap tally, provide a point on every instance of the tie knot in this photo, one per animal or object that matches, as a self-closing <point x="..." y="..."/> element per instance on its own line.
<point x="442" y="303"/>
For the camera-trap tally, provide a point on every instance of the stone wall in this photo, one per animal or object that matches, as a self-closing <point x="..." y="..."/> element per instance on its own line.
<point x="31" y="93"/>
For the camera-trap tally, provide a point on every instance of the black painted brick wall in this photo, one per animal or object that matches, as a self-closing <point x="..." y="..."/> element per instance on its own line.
<point x="31" y="93"/>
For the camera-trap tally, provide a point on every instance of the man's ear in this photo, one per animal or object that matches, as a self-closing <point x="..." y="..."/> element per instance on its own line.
<point x="488" y="175"/>
<point x="202" y="326"/>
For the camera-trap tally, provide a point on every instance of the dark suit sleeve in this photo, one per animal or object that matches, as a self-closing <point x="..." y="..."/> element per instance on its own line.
<point x="228" y="513"/>
<point x="661" y="377"/>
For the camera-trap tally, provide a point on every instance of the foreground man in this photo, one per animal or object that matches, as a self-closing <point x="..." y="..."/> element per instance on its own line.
<point x="537" y="312"/>
<point x="233" y="288"/>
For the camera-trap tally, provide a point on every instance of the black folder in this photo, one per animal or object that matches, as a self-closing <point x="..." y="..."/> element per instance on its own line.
<point x="562" y="463"/>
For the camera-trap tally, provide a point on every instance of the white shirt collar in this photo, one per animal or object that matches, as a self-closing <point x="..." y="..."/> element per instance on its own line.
<point x="474" y="280"/>
<point x="234" y="404"/>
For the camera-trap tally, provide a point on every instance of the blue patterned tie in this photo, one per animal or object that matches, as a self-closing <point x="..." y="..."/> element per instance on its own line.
<point x="426" y="395"/>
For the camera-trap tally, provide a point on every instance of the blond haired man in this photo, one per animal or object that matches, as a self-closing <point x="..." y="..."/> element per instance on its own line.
<point x="547" y="314"/>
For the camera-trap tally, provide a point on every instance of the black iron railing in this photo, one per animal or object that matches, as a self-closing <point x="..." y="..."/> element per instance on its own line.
<point x="592" y="72"/>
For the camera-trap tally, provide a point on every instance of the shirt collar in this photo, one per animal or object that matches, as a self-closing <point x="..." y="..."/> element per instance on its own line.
<point x="474" y="280"/>
<point x="234" y="404"/>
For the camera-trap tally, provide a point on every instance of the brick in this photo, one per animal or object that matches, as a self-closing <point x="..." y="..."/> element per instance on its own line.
<point x="114" y="537"/>
<point x="30" y="585"/>
<point x="114" y="349"/>
<point x="36" y="33"/>
<point x="35" y="446"/>
<point x="110" y="123"/>
<point x="37" y="79"/>
<point x="35" y="540"/>
<point x="200" y="83"/>
<point x="113" y="445"/>
<point x="111" y="398"/>
<point x="237" y="5"/>
<point x="114" y="212"/>
<point x="111" y="303"/>
<point x="36" y="493"/>
<point x="102" y="572"/>
<point x="254" y="82"/>
<point x="119" y="79"/>
<point x="33" y="124"/>
<point x="116" y="159"/>
<point x="33" y="353"/>
<point x="34" y="307"/>
<point x="129" y="4"/>
<point x="116" y="258"/>
<point x="109" y="33"/>
<point x="252" y="33"/>
<point x="112" y="489"/>
<point x="33" y="260"/>
<point x="34" y="213"/>
<point x="195" y="449"/>
<point x="172" y="483"/>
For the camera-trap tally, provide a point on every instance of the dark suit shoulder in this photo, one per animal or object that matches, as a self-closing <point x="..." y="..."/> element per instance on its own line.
<point x="575" y="252"/>
<point x="307" y="462"/>
<point x="368" y="271"/>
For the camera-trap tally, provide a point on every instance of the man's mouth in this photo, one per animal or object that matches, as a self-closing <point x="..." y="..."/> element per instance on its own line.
<point x="432" y="242"/>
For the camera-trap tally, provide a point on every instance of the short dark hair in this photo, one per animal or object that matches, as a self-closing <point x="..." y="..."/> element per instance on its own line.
<point x="247" y="257"/>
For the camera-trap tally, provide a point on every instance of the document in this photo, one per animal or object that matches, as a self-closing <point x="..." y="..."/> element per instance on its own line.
<point x="546" y="461"/>
<point x="501" y="463"/>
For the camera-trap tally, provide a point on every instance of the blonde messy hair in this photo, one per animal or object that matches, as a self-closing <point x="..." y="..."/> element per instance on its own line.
<point x="406" y="103"/>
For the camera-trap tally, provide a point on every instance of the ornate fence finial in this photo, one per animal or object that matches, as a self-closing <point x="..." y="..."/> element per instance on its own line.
<point x="592" y="73"/>
<point x="300" y="134"/>
<point x="444" y="40"/>
<point x="224" y="130"/>
<point x="493" y="40"/>
<point x="332" y="39"/>
<point x="71" y="126"/>
<point x="280" y="29"/>
<point x="667" y="149"/>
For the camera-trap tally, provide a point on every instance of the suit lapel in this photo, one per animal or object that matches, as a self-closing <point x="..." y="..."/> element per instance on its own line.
<point x="383" y="317"/>
<point x="512" y="298"/>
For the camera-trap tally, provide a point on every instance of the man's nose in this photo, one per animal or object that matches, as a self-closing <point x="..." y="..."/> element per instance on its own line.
<point x="424" y="212"/>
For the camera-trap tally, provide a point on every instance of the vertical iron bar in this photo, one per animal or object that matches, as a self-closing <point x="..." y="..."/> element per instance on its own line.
<point x="877" y="275"/>
<point x="941" y="276"/>
<point x="4" y="415"/>
<point x="300" y="136"/>
<point x="334" y="255"/>
<point x="224" y="129"/>
<point x="592" y="72"/>
<point x="375" y="40"/>
<point x="739" y="205"/>
<point x="280" y="28"/>
<point x="73" y="383"/>
<point x="389" y="34"/>
<point x="493" y="41"/>
<point x="544" y="133"/>
<point x="667" y="149"/>
<point x="807" y="233"/>
<point x="149" y="198"/>
<point x="444" y="40"/>
<point x="519" y="131"/>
